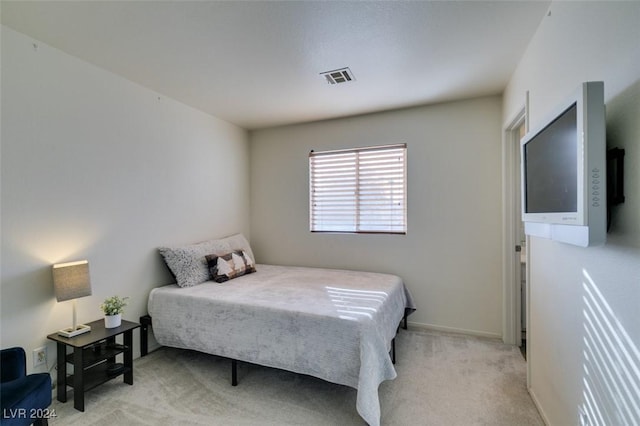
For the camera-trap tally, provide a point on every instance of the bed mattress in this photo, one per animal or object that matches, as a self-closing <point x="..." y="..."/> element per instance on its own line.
<point x="336" y="325"/>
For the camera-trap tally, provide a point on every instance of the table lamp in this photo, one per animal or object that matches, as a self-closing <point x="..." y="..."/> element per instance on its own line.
<point x="71" y="281"/>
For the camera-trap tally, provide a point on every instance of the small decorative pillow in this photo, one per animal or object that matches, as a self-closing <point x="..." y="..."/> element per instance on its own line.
<point x="230" y="265"/>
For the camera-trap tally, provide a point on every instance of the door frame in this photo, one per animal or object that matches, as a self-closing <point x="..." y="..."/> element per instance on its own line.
<point x="511" y="274"/>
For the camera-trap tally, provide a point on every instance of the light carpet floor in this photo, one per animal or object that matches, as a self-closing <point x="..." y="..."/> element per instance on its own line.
<point x="443" y="379"/>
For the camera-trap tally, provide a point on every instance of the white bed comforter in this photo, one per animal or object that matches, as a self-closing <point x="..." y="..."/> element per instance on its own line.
<point x="333" y="324"/>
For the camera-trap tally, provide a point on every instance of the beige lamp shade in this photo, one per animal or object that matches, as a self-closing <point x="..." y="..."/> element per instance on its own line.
<point x="71" y="280"/>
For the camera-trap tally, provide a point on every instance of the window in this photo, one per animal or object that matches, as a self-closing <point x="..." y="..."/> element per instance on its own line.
<point x="361" y="190"/>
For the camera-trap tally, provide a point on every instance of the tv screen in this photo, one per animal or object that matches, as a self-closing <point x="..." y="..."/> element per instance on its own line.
<point x="551" y="170"/>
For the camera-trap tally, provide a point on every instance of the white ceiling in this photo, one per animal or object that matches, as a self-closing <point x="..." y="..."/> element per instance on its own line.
<point x="257" y="64"/>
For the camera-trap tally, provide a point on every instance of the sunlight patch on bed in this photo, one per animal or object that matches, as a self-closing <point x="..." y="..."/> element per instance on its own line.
<point x="353" y="304"/>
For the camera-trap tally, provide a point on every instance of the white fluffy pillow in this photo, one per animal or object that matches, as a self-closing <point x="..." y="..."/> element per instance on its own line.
<point x="188" y="263"/>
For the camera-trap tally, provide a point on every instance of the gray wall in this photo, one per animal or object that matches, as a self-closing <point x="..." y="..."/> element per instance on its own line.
<point x="451" y="256"/>
<point x="584" y="333"/>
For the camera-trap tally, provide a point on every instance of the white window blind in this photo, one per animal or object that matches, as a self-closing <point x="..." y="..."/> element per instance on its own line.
<point x="359" y="190"/>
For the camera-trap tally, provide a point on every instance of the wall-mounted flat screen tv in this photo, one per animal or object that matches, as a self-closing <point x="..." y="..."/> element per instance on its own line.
<point x="564" y="171"/>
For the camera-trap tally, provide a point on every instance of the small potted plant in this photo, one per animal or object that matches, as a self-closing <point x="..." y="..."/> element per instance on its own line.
<point x="113" y="307"/>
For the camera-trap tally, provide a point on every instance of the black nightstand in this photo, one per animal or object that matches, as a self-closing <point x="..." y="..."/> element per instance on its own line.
<point x="93" y="357"/>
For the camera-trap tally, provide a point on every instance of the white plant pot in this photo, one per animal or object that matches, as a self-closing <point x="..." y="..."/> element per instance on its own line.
<point x="112" y="321"/>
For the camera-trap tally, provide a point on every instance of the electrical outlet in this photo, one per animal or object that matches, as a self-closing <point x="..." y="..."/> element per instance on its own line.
<point x="39" y="356"/>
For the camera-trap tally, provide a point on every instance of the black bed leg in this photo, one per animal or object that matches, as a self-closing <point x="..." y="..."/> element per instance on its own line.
<point x="234" y="372"/>
<point x="145" y="322"/>
<point x="393" y="350"/>
<point x="405" y="319"/>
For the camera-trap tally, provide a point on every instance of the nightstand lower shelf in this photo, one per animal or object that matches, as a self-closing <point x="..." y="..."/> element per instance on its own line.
<point x="97" y="376"/>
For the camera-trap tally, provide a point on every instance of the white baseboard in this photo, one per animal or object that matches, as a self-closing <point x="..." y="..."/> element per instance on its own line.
<point x="538" y="407"/>
<point x="422" y="326"/>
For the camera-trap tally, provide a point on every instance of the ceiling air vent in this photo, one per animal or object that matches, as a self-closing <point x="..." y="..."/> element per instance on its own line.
<point x="342" y="75"/>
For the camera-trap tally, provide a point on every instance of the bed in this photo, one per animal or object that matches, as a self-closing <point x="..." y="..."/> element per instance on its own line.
<point x="336" y="325"/>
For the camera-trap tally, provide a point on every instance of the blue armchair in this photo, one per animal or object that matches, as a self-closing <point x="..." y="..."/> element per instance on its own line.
<point x="24" y="399"/>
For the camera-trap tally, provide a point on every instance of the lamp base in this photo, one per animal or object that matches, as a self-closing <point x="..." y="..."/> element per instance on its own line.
<point x="72" y="332"/>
